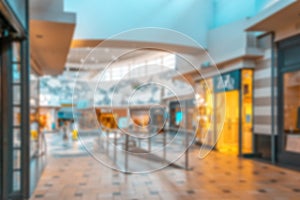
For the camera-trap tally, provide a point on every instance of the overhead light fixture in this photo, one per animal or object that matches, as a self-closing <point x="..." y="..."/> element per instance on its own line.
<point x="39" y="36"/>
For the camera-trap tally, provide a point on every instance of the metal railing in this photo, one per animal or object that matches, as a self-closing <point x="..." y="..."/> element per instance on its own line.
<point x="116" y="138"/>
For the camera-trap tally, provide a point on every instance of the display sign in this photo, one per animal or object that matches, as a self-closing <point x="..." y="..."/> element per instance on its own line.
<point x="227" y="82"/>
<point x="83" y="104"/>
<point x="65" y="115"/>
<point x="293" y="143"/>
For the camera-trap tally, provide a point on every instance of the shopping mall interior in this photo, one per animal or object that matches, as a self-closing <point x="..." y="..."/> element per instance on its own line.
<point x="149" y="100"/>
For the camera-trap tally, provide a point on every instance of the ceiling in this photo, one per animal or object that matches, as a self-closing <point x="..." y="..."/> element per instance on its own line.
<point x="51" y="33"/>
<point x="91" y="61"/>
<point x="53" y="51"/>
<point x="98" y="55"/>
<point x="129" y="44"/>
<point x="95" y="54"/>
<point x="275" y="19"/>
<point x="49" y="43"/>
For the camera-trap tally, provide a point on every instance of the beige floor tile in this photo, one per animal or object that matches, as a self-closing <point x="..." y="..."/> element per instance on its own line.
<point x="218" y="176"/>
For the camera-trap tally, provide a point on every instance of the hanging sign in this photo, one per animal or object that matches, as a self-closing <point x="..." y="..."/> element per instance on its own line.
<point x="227" y="82"/>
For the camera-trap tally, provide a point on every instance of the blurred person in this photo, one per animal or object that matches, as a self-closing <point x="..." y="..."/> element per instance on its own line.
<point x="34" y="127"/>
<point x="65" y="131"/>
<point x="74" y="131"/>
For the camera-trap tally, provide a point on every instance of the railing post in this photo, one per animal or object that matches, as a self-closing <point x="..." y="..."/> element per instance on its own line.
<point x="187" y="150"/>
<point x="164" y="143"/>
<point x="149" y="144"/>
<point x="107" y="142"/>
<point x="126" y="152"/>
<point x="115" y="147"/>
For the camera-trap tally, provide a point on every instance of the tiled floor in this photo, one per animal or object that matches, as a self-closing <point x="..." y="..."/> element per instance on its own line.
<point x="218" y="176"/>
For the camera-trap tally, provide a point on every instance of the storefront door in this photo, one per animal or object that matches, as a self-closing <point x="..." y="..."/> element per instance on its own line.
<point x="14" y="83"/>
<point x="228" y="139"/>
<point x="14" y="142"/>
<point x="289" y="101"/>
<point x="233" y="108"/>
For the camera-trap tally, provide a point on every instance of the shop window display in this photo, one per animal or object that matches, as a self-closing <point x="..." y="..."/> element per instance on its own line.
<point x="108" y="120"/>
<point x="175" y="109"/>
<point x="16" y="80"/>
<point x="247" y="107"/>
<point x="228" y="140"/>
<point x="158" y="119"/>
<point x="35" y="122"/>
<point x="225" y="103"/>
<point x="204" y="107"/>
<point x="139" y="119"/>
<point x="292" y="111"/>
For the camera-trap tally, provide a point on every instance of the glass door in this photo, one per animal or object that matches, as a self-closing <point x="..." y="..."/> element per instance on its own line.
<point x="204" y="116"/>
<point x="13" y="121"/>
<point x="228" y="139"/>
<point x="247" y="113"/>
<point x="14" y="69"/>
<point x="291" y="98"/>
<point x="288" y="102"/>
<point x="16" y="107"/>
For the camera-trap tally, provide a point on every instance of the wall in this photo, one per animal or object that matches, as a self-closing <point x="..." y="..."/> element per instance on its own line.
<point x="262" y="90"/>
<point x="99" y="19"/>
<point x="262" y="127"/>
<point x="187" y="63"/>
<point x="231" y="41"/>
<point x="50" y="11"/>
<point x="289" y="30"/>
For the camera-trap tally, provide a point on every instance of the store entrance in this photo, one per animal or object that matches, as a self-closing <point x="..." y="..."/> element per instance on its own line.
<point x="14" y="166"/>
<point x="228" y="139"/>
<point x="289" y="101"/>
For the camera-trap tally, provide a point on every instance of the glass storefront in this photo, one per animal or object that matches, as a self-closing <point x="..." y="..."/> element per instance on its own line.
<point x="230" y="105"/>
<point x="247" y="111"/>
<point x="291" y="95"/>
<point x="182" y="114"/>
<point x="228" y="139"/>
<point x="289" y="101"/>
<point x="204" y="108"/>
<point x="14" y="82"/>
<point x="34" y="116"/>
<point x="176" y="114"/>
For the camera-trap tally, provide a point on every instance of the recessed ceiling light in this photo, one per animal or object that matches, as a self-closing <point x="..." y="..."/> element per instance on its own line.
<point x="39" y="36"/>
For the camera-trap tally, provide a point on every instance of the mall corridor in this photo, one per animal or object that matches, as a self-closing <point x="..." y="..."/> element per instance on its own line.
<point x="149" y="99"/>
